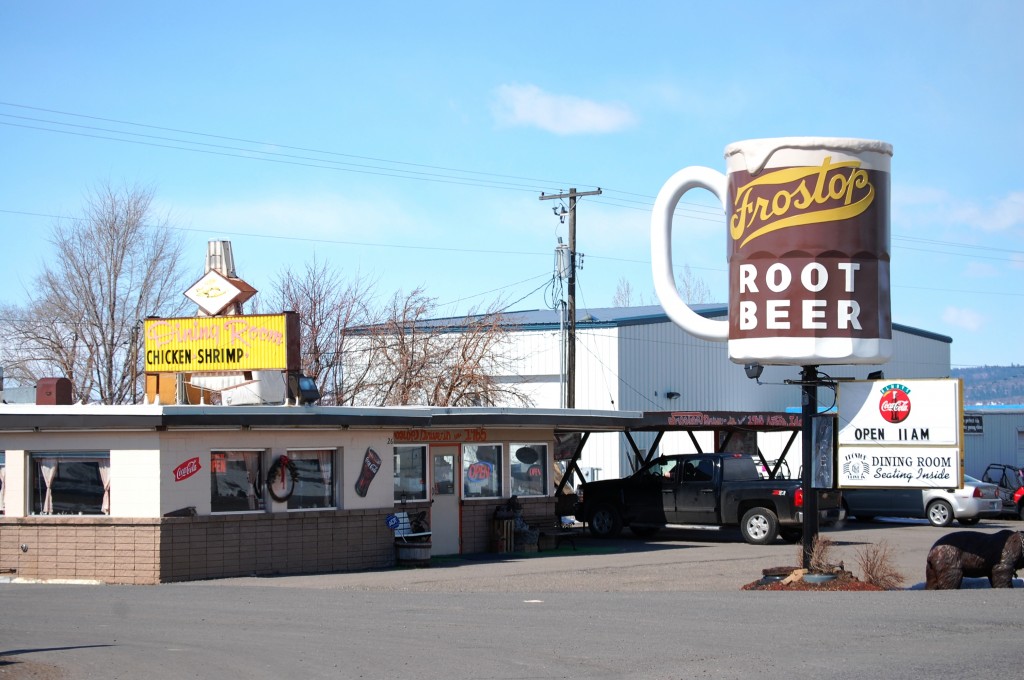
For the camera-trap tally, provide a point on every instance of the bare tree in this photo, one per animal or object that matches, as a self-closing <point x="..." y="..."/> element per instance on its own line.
<point x="329" y="308"/>
<point x="472" y="354"/>
<point x="402" y="346"/>
<point x="417" y="359"/>
<point x="109" y="271"/>
<point x="41" y="345"/>
<point x="623" y="293"/>
<point x="693" y="289"/>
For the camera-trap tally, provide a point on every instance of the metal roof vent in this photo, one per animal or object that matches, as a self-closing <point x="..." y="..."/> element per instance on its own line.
<point x="53" y="392"/>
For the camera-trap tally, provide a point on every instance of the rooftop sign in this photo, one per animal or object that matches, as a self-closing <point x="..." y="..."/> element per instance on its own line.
<point x="222" y="343"/>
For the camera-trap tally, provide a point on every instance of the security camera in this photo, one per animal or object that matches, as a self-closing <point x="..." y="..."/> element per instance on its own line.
<point x="753" y="371"/>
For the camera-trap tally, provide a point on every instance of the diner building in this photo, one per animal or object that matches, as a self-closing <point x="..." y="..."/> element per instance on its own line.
<point x="155" y="493"/>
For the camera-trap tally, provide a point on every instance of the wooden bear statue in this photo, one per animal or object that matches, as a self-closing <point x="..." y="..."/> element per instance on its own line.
<point x="973" y="553"/>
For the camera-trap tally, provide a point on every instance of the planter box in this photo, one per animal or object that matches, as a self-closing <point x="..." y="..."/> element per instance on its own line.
<point x="412" y="553"/>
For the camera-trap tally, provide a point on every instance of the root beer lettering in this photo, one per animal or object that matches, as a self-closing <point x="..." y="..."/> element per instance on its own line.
<point x="813" y="313"/>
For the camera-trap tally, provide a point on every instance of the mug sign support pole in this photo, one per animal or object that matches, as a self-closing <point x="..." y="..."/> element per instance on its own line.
<point x="809" y="407"/>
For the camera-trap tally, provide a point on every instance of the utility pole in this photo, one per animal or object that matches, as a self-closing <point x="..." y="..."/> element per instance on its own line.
<point x="570" y="361"/>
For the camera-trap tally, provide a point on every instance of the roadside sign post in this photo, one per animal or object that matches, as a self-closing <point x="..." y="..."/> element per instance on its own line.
<point x="808" y="409"/>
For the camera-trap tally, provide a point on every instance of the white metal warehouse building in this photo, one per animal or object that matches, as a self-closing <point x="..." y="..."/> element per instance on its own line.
<point x="992" y="434"/>
<point x="637" y="359"/>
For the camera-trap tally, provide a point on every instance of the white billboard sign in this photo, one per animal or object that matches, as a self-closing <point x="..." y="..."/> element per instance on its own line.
<point x="900" y="433"/>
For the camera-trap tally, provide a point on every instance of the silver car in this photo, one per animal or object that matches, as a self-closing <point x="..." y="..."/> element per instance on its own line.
<point x="976" y="501"/>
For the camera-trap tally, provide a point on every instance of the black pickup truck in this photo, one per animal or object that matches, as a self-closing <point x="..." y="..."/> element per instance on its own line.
<point x="717" y="489"/>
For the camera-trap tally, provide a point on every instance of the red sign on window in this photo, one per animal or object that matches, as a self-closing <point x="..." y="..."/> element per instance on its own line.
<point x="478" y="472"/>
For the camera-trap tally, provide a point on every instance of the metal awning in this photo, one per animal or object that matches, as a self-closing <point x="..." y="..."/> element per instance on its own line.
<point x="30" y="417"/>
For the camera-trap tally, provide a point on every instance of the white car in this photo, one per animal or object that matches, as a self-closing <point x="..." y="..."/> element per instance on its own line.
<point x="976" y="501"/>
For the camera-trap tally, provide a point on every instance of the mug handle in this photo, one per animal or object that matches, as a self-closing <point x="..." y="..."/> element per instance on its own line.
<point x="678" y="184"/>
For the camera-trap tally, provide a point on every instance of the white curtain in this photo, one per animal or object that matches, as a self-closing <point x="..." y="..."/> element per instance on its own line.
<point x="3" y="485"/>
<point x="48" y="469"/>
<point x="252" y="467"/>
<point x="104" y="466"/>
<point x="325" y="458"/>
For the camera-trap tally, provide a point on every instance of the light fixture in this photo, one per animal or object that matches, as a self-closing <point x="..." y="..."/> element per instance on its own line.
<point x="753" y="370"/>
<point x="303" y="389"/>
<point x="672" y="395"/>
<point x="876" y="375"/>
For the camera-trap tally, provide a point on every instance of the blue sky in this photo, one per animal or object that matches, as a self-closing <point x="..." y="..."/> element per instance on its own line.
<point x="409" y="142"/>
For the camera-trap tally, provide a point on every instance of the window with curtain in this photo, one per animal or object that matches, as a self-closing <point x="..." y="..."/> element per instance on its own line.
<point x="528" y="469"/>
<point x="70" y="483"/>
<point x="410" y="473"/>
<point x="236" y="481"/>
<point x="315" y="485"/>
<point x="481" y="470"/>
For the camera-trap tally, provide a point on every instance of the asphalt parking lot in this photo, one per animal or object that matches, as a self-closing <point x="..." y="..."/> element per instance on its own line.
<point x="666" y="608"/>
<point x="697" y="560"/>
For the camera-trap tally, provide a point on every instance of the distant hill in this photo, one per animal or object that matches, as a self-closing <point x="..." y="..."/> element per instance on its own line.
<point x="992" y="384"/>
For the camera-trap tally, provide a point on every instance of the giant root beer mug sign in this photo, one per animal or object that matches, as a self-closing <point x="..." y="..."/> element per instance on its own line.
<point x="808" y="250"/>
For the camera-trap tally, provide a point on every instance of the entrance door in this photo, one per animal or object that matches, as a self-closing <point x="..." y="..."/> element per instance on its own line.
<point x="445" y="483"/>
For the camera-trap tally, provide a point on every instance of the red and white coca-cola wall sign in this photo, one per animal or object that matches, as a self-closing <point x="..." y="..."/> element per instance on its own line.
<point x="186" y="469"/>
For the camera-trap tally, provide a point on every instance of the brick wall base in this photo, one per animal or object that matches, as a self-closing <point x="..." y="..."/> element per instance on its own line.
<point x="162" y="550"/>
<point x="477" y="516"/>
<point x="167" y="549"/>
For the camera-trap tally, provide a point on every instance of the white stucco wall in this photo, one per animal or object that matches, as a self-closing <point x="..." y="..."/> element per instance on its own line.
<point x="134" y="475"/>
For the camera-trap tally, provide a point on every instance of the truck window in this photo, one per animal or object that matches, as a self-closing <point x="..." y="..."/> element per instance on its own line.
<point x="739" y="468"/>
<point x="670" y="469"/>
<point x="701" y="470"/>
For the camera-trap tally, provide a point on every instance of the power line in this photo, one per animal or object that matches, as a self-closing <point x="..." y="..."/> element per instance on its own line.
<point x="334" y="165"/>
<point x="371" y="244"/>
<point x="301" y="239"/>
<point x="275" y="144"/>
<point x="297" y="161"/>
<point x="643" y="201"/>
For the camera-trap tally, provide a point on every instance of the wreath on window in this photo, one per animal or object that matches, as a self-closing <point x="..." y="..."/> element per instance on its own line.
<point x="287" y="485"/>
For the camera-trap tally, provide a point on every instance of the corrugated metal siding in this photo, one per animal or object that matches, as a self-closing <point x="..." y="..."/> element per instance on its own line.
<point x="535" y="367"/>
<point x="1000" y="442"/>
<point x="598" y="386"/>
<point x="915" y="356"/>
<point x="634" y="367"/>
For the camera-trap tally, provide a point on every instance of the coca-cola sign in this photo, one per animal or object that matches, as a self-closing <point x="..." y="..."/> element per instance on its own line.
<point x="895" y="403"/>
<point x="186" y="469"/>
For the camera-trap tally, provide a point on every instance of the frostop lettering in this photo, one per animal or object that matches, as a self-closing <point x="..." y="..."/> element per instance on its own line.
<point x="813" y="313"/>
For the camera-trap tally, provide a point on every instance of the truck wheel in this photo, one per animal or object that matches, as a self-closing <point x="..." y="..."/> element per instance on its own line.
<point x="606" y="522"/>
<point x="759" y="526"/>
<point x="940" y="514"/>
